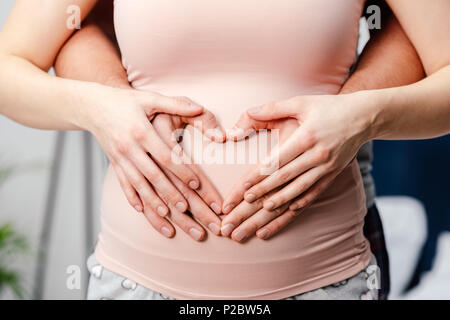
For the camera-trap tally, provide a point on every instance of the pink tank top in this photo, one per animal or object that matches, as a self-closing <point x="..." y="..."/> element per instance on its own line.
<point x="230" y="56"/>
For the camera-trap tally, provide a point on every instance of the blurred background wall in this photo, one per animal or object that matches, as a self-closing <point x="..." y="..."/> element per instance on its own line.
<point x="419" y="169"/>
<point x="23" y="196"/>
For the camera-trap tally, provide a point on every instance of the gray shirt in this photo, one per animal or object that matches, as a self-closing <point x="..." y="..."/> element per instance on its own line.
<point x="365" y="157"/>
<point x="365" y="154"/>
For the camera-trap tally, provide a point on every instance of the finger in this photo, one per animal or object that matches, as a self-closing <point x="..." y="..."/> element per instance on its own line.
<point x="295" y="145"/>
<point x="277" y="224"/>
<point x="129" y="191"/>
<point x="148" y="196"/>
<point x="187" y="224"/>
<point x="244" y="127"/>
<point x="206" y="190"/>
<point x="249" y="227"/>
<point x="239" y="214"/>
<point x="168" y="158"/>
<point x="297" y="207"/>
<point x="208" y="125"/>
<point x="159" y="223"/>
<point x="157" y="103"/>
<point x="236" y="194"/>
<point x="255" y="175"/>
<point x="197" y="207"/>
<point x="166" y="190"/>
<point x="299" y="142"/>
<point x="275" y="110"/>
<point x="295" y="188"/>
<point x="285" y="174"/>
<point x="314" y="192"/>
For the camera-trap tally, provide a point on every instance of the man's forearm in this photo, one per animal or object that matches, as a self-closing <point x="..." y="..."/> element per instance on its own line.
<point x="389" y="60"/>
<point x="91" y="56"/>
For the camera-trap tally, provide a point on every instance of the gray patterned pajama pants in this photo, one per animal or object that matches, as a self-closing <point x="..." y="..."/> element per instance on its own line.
<point x="107" y="285"/>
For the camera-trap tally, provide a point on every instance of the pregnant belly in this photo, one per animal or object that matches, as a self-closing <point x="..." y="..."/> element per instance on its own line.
<point x="323" y="245"/>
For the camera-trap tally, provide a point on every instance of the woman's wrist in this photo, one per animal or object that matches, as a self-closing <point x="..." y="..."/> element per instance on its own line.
<point x="356" y="116"/>
<point x="87" y="96"/>
<point x="90" y="95"/>
<point x="373" y="107"/>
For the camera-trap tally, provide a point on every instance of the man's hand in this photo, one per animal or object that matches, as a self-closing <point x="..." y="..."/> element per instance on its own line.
<point x="204" y="198"/>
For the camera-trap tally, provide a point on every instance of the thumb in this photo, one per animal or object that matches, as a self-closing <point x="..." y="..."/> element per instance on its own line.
<point x="157" y="103"/>
<point x="208" y="125"/>
<point x="244" y="127"/>
<point x="274" y="110"/>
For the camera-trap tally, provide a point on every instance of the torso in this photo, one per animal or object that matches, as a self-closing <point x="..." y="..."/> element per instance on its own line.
<point x="230" y="56"/>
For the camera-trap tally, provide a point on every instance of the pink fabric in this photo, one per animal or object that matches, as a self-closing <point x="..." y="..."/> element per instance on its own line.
<point x="230" y="56"/>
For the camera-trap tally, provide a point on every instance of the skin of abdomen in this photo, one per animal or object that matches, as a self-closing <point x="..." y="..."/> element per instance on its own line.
<point x="190" y="53"/>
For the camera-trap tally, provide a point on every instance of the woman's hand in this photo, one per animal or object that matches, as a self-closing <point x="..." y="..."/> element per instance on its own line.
<point x="330" y="131"/>
<point x="120" y="121"/>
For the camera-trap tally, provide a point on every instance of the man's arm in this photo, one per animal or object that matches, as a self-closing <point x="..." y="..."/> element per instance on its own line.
<point x="420" y="110"/>
<point x="388" y="60"/>
<point x="92" y="51"/>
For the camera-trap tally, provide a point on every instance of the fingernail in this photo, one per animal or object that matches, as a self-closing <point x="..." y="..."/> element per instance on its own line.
<point x="250" y="197"/>
<point x="138" y="208"/>
<point x="227" y="229"/>
<point x="235" y="132"/>
<point x="269" y="205"/>
<point x="218" y="135"/>
<point x="228" y="208"/>
<point x="215" y="207"/>
<point x="162" y="211"/>
<point x="194" y="106"/>
<point x="193" y="184"/>
<point x="214" y="227"/>
<point x="181" y="206"/>
<point x="239" y="235"/>
<point x="293" y="206"/>
<point x="197" y="235"/>
<point x="263" y="233"/>
<point x="254" y="110"/>
<point x="247" y="185"/>
<point x="166" y="232"/>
